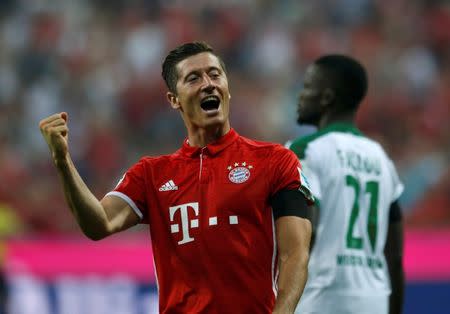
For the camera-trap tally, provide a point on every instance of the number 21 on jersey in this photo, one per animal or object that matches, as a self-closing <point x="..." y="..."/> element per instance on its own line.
<point x="371" y="188"/>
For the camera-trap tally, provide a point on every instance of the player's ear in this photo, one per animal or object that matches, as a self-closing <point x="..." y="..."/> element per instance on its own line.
<point x="173" y="100"/>
<point x="328" y="97"/>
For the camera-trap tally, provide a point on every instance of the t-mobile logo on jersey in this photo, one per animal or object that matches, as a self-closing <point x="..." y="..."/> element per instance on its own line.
<point x="187" y="223"/>
<point x="174" y="228"/>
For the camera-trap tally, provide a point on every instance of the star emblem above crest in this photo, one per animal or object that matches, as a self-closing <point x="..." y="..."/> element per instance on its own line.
<point x="237" y="164"/>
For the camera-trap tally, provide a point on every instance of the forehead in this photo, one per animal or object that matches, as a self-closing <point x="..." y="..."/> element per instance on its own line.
<point x="199" y="62"/>
<point x="314" y="75"/>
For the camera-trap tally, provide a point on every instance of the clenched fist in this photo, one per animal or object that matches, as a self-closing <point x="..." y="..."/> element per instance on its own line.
<point x="55" y="131"/>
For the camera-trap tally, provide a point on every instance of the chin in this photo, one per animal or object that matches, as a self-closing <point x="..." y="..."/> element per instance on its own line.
<point x="213" y="122"/>
<point x="305" y="120"/>
<point x="301" y="120"/>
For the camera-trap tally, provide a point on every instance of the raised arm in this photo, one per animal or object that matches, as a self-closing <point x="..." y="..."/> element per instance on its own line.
<point x="97" y="219"/>
<point x="293" y="235"/>
<point x="394" y="258"/>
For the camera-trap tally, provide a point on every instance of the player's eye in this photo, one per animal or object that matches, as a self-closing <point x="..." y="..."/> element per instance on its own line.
<point x="214" y="74"/>
<point x="192" y="78"/>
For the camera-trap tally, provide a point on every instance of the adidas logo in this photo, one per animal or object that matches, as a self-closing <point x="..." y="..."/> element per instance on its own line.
<point x="168" y="186"/>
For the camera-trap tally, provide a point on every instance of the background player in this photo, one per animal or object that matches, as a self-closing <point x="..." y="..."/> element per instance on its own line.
<point x="358" y="246"/>
<point x="209" y="205"/>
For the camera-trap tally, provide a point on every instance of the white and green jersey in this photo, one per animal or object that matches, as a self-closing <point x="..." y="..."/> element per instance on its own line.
<point x="354" y="183"/>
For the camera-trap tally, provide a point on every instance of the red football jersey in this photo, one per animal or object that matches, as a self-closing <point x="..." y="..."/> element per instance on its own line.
<point x="211" y="222"/>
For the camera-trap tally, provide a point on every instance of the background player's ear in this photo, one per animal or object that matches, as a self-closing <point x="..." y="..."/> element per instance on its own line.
<point x="328" y="97"/>
<point x="173" y="100"/>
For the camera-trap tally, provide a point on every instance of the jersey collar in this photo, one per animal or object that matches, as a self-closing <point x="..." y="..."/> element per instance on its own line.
<point x="344" y="127"/>
<point x="212" y="148"/>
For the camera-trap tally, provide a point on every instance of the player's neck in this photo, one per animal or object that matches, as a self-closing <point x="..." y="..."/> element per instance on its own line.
<point x="200" y="137"/>
<point x="335" y="118"/>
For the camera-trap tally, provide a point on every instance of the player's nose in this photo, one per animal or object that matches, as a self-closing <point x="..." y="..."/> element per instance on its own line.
<point x="208" y="84"/>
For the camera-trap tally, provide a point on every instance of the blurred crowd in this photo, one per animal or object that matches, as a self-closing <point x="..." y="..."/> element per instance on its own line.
<point x="100" y="61"/>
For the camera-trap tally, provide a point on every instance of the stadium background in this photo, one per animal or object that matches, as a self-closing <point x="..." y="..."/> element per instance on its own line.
<point x="100" y="61"/>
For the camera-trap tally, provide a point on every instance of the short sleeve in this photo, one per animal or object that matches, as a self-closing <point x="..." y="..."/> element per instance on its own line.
<point x="396" y="183"/>
<point x="131" y="188"/>
<point x="288" y="174"/>
<point x="312" y="179"/>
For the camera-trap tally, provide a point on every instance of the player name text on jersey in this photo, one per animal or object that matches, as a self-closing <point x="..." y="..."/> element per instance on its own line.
<point x="359" y="163"/>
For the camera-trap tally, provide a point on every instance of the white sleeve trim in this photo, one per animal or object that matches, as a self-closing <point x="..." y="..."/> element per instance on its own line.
<point x="398" y="191"/>
<point x="288" y="144"/>
<point x="128" y="200"/>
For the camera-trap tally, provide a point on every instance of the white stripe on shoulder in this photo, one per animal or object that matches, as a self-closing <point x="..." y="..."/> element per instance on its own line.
<point x="128" y="200"/>
<point x="288" y="144"/>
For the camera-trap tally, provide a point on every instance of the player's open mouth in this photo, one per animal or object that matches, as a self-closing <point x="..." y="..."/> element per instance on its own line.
<point x="210" y="103"/>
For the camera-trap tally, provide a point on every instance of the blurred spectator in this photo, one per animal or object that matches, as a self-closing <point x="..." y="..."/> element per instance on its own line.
<point x="432" y="210"/>
<point x="100" y="61"/>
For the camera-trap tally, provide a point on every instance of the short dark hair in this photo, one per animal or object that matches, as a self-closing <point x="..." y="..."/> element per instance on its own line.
<point x="169" y="70"/>
<point x="347" y="76"/>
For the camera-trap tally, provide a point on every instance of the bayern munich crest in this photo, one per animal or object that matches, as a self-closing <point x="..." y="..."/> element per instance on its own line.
<point x="239" y="173"/>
